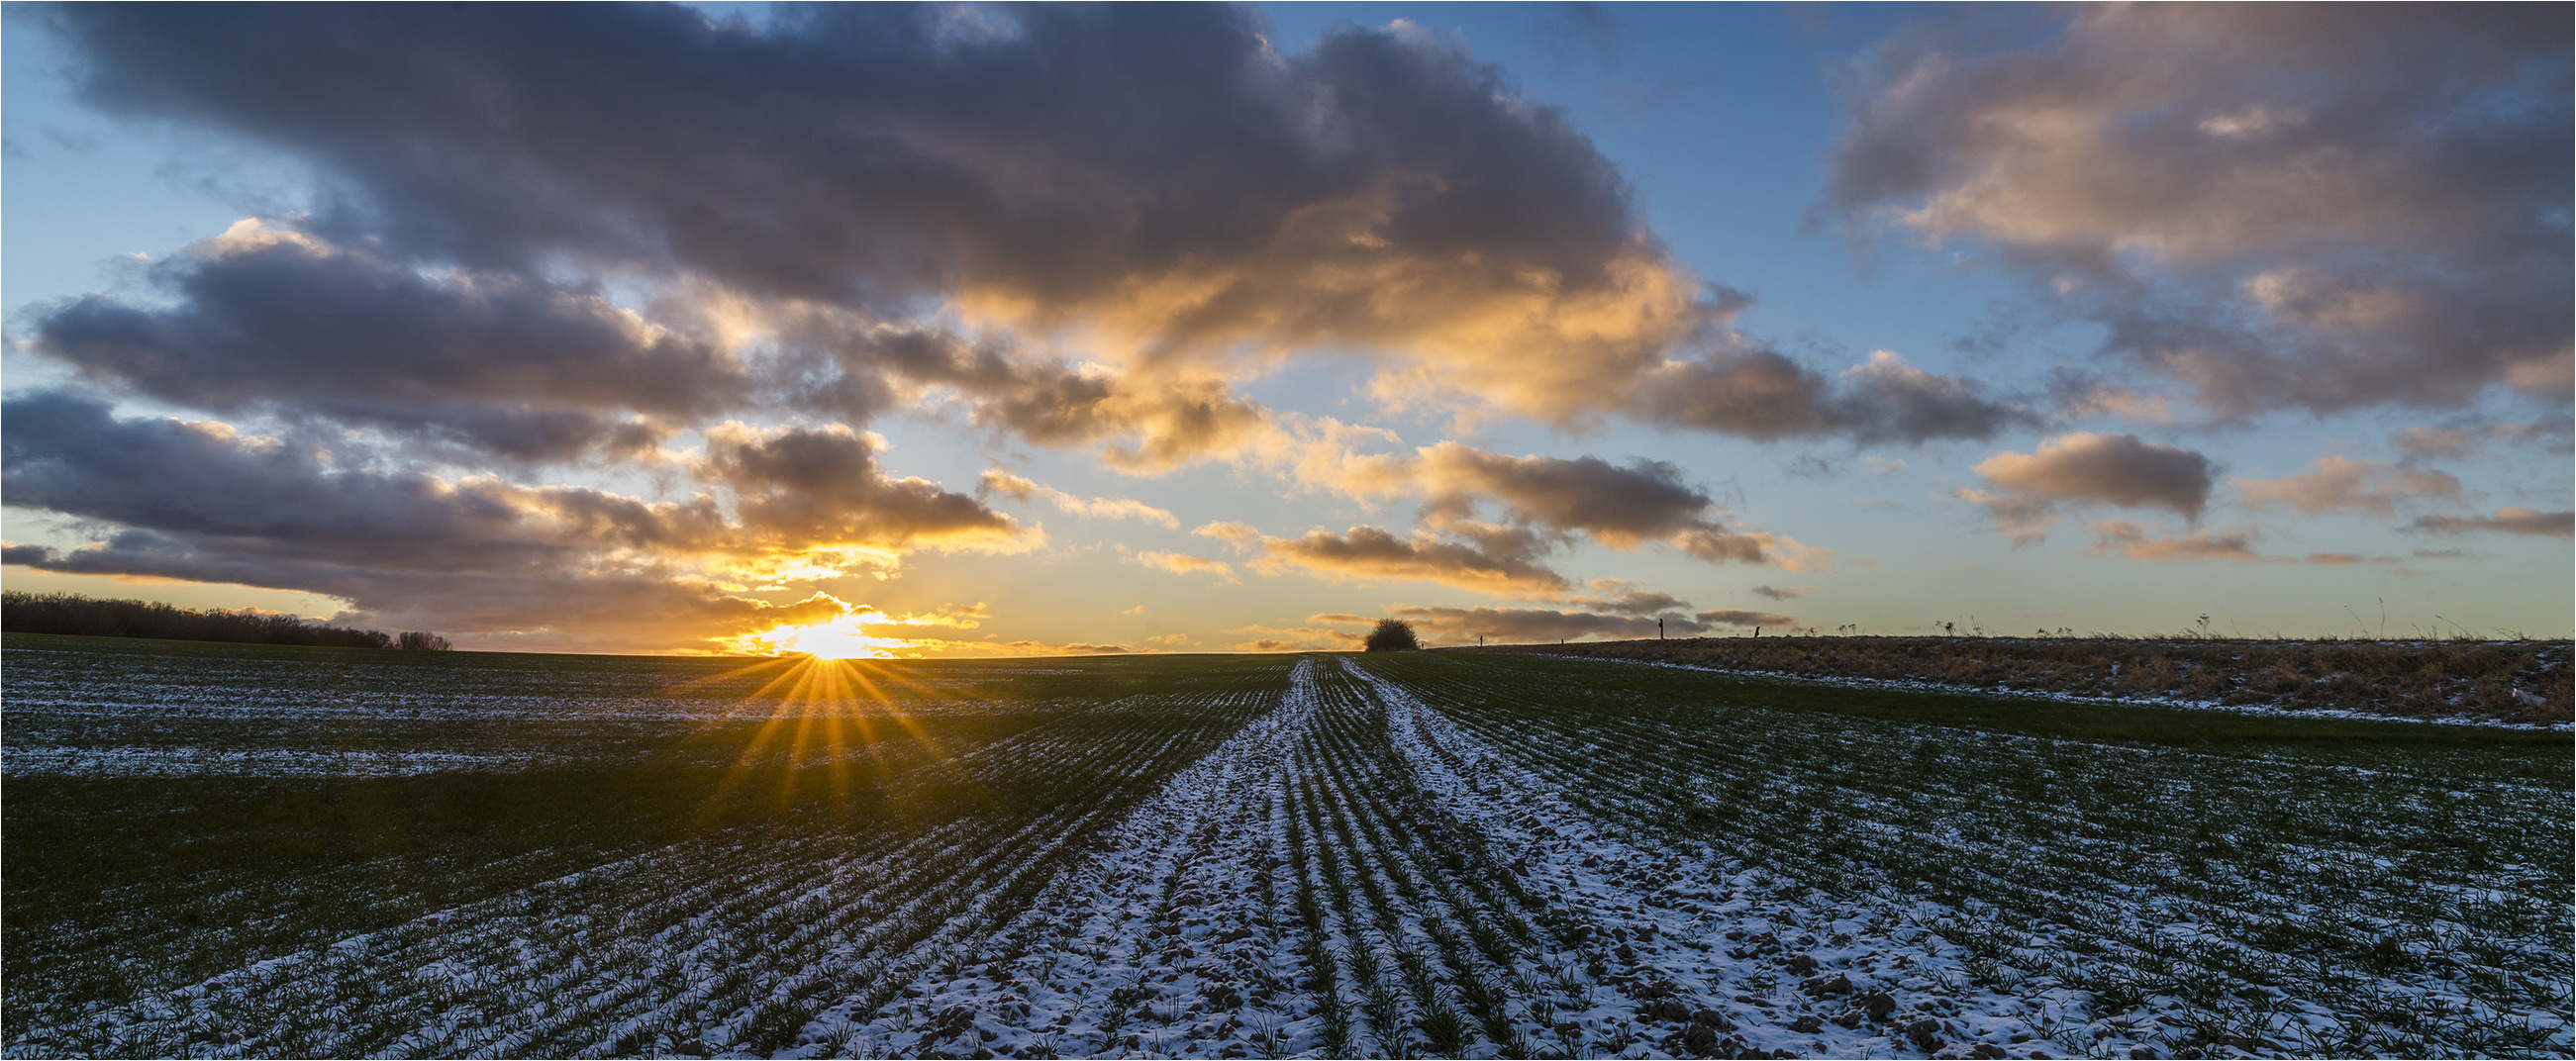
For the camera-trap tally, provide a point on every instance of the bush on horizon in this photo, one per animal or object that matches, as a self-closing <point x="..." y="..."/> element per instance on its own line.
<point x="1392" y="635"/>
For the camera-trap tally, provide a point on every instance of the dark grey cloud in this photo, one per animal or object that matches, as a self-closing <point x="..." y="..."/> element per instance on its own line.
<point x="1776" y="593"/>
<point x="1536" y="624"/>
<point x="2507" y="520"/>
<point x="2090" y="468"/>
<point x="580" y="566"/>
<point x="288" y="499"/>
<point x="267" y="319"/>
<point x="1494" y="560"/>
<point x="1156" y="180"/>
<point x="552" y="234"/>
<point x="1740" y="617"/>
<point x="2319" y="206"/>
<point x="870" y="154"/>
<point x="1631" y="602"/>
<point x="1761" y="394"/>
<point x="2470" y="438"/>
<point x="1620" y="506"/>
<point x="818" y="486"/>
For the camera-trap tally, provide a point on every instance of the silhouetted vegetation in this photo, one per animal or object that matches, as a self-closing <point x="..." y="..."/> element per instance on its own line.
<point x="72" y="613"/>
<point x="2519" y="681"/>
<point x="1392" y="635"/>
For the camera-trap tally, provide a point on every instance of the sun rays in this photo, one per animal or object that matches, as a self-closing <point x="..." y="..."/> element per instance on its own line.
<point x="851" y="724"/>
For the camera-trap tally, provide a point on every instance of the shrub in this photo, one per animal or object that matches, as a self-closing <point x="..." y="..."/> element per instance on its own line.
<point x="1392" y="635"/>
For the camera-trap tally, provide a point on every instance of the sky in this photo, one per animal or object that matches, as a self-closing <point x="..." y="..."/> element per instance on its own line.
<point x="988" y="330"/>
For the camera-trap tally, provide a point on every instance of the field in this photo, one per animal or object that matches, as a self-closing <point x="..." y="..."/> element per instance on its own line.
<point x="245" y="851"/>
<point x="2522" y="681"/>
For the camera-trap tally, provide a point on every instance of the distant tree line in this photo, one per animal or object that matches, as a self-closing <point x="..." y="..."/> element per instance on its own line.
<point x="72" y="613"/>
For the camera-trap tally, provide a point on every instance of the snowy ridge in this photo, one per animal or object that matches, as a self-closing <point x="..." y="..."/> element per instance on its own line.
<point x="1163" y="939"/>
<point x="1697" y="943"/>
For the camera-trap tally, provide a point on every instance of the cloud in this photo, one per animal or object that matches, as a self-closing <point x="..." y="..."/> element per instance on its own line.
<point x="2457" y="441"/>
<point x="523" y="566"/>
<point x="2141" y="543"/>
<point x="1619" y="506"/>
<point x="1022" y="648"/>
<point x="1455" y="625"/>
<point x="1738" y="617"/>
<point x="1201" y="193"/>
<point x="2504" y="521"/>
<point x="1494" y="560"/>
<point x="288" y="498"/>
<point x="2341" y="484"/>
<point x="1616" y="506"/>
<point x="1009" y="485"/>
<point x="2273" y="205"/>
<point x="854" y="362"/>
<point x="1782" y="594"/>
<point x="2086" y="468"/>
<point x="262" y="318"/>
<point x="953" y="616"/>
<point x="1208" y="205"/>
<point x="823" y="486"/>
<point x="1627" y="600"/>
<point x="1182" y="564"/>
<point x="1300" y="639"/>
<point x="2348" y="559"/>
<point x="1760" y="394"/>
<point x="1234" y="532"/>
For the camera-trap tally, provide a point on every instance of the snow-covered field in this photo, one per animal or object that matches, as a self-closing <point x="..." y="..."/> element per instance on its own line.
<point x="1252" y="857"/>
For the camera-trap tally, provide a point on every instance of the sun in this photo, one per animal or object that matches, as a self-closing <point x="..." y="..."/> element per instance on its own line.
<point x="842" y="637"/>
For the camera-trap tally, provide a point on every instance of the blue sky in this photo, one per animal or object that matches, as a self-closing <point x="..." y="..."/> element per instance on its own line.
<point x="1870" y="360"/>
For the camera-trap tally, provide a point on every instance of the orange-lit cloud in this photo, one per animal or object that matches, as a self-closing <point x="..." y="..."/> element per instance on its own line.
<point x="2342" y="484"/>
<point x="1182" y="564"/>
<point x="1297" y="639"/>
<point x="2141" y="543"/>
<point x="1007" y="484"/>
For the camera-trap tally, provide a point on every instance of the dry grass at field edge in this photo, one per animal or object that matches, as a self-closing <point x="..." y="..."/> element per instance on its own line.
<point x="2506" y="681"/>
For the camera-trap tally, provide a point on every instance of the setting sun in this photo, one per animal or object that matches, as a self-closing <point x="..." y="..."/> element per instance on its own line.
<point x="843" y="637"/>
